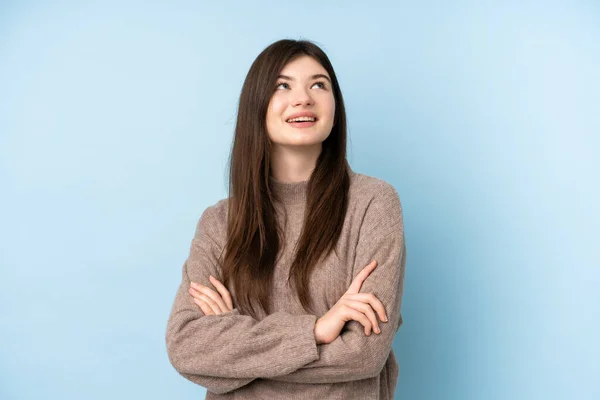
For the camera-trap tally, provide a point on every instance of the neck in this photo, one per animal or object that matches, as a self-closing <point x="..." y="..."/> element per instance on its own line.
<point x="294" y="163"/>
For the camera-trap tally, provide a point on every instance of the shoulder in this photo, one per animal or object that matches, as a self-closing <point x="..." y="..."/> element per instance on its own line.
<point x="212" y="223"/>
<point x="365" y="188"/>
<point x="375" y="200"/>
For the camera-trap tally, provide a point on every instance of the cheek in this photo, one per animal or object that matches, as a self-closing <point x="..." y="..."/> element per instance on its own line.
<point x="331" y="107"/>
<point x="276" y="108"/>
<point x="274" y="115"/>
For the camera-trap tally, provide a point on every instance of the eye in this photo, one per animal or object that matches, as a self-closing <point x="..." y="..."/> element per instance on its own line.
<point x="323" y="85"/>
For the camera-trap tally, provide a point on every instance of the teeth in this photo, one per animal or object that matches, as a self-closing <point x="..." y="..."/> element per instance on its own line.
<point x="301" y="119"/>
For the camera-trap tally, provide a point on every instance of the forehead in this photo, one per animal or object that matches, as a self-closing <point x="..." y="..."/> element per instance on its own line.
<point x="303" y="66"/>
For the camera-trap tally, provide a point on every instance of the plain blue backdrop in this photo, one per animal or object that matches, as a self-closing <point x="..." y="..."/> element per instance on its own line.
<point x="116" y="120"/>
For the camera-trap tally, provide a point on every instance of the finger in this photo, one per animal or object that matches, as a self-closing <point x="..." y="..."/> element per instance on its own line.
<point x="215" y="298"/>
<point x="358" y="316"/>
<point x="209" y="301"/>
<point x="225" y="295"/>
<point x="204" y="307"/>
<point x="373" y="301"/>
<point x="362" y="275"/>
<point x="366" y="309"/>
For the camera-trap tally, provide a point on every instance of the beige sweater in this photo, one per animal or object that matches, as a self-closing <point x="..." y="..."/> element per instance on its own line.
<point x="236" y="356"/>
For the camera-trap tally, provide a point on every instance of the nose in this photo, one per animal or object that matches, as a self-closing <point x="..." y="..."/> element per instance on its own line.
<point x="301" y="96"/>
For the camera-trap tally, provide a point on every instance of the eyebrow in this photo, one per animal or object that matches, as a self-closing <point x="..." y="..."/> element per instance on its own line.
<point x="316" y="76"/>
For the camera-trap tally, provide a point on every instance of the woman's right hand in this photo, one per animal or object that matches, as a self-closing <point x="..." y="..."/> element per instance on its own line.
<point x="351" y="306"/>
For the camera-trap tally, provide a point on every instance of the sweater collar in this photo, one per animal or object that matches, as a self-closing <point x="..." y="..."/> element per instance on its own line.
<point x="293" y="192"/>
<point x="289" y="192"/>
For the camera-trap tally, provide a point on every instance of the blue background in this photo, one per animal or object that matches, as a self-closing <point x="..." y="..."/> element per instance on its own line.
<point x="116" y="120"/>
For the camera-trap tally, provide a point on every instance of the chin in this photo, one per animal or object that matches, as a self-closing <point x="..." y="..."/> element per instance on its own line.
<point x="291" y="142"/>
<point x="307" y="139"/>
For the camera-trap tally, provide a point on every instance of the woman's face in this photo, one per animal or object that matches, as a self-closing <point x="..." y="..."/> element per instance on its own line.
<point x="303" y="86"/>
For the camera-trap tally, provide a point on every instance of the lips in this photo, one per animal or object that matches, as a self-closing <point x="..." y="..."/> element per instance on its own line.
<point x="302" y="124"/>
<point x="302" y="114"/>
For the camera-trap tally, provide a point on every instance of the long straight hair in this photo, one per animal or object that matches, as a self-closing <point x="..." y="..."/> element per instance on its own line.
<point x="253" y="234"/>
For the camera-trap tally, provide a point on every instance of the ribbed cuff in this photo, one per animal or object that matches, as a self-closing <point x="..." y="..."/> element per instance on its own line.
<point x="306" y="343"/>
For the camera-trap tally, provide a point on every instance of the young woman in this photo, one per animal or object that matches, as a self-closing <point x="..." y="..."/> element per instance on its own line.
<point x="287" y="277"/>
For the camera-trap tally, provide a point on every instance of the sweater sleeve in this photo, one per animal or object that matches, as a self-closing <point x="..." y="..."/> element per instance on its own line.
<point x="354" y="355"/>
<point x="227" y="351"/>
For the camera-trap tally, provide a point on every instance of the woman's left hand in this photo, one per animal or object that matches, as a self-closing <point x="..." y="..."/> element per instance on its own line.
<point x="209" y="301"/>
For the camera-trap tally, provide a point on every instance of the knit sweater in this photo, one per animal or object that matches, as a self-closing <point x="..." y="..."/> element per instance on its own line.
<point x="276" y="356"/>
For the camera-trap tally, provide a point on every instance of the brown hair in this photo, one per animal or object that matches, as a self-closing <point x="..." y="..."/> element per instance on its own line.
<point x="253" y="235"/>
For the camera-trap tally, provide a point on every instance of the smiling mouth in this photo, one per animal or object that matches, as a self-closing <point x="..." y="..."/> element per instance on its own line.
<point x="315" y="119"/>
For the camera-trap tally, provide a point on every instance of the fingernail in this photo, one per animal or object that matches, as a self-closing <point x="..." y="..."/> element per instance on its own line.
<point x="211" y="277"/>
<point x="385" y="319"/>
